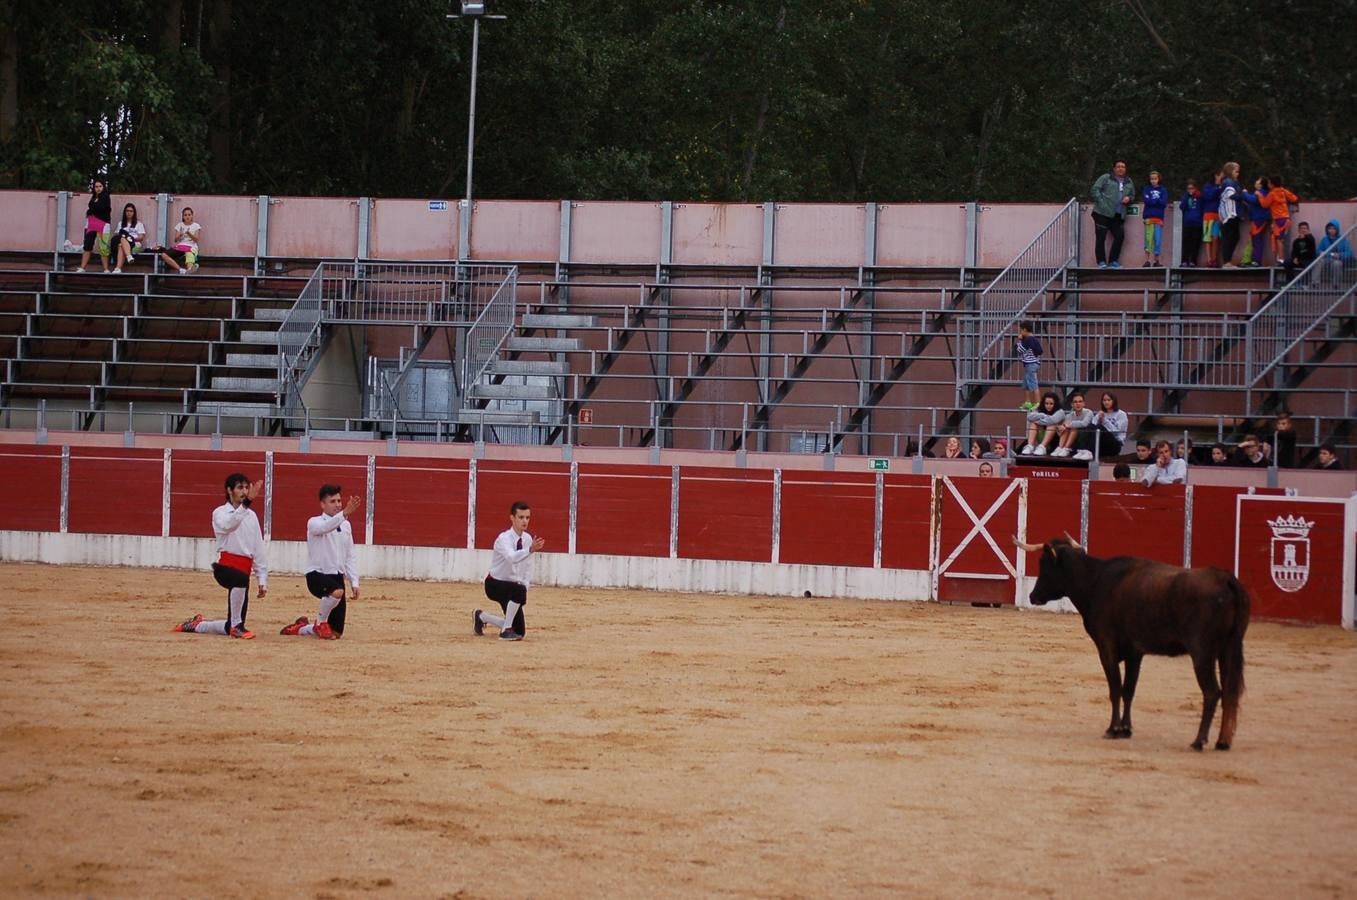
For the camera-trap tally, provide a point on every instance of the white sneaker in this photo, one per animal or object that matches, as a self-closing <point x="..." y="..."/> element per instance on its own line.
<point x="79" y="271"/>
<point x="1040" y="451"/>
<point x="117" y="271"/>
<point x="1061" y="451"/>
<point x="1026" y="450"/>
<point x="1083" y="455"/>
<point x="183" y="271"/>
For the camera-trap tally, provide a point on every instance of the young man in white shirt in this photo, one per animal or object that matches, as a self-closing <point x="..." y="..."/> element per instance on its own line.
<point x="330" y="557"/>
<point x="1167" y="469"/>
<point x="240" y="551"/>
<point x="510" y="573"/>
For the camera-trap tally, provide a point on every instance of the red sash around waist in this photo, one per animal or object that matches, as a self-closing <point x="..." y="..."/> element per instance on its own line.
<point x="236" y="561"/>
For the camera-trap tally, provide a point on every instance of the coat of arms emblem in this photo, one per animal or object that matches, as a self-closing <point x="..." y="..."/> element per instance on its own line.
<point x="1290" y="552"/>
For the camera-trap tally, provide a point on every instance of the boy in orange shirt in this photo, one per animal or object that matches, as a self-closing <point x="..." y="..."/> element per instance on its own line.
<point x="1279" y="201"/>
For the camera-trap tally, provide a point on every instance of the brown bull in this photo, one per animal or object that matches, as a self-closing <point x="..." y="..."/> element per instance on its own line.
<point x="1134" y="606"/>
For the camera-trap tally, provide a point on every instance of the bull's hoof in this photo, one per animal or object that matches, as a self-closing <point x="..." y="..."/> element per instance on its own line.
<point x="1222" y="745"/>
<point x="1124" y="731"/>
<point x="1110" y="734"/>
<point x="1198" y="745"/>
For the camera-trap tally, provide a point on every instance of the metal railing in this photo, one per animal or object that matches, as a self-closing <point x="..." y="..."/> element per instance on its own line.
<point x="406" y="293"/>
<point x="1004" y="301"/>
<point x="1128" y="349"/>
<point x="488" y="333"/>
<point x="298" y="343"/>
<point x="1305" y="303"/>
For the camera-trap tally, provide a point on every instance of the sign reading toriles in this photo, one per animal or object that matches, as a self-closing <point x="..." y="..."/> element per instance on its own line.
<point x="1290" y="552"/>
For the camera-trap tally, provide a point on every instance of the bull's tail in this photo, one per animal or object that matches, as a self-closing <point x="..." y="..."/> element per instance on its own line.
<point x="1232" y="659"/>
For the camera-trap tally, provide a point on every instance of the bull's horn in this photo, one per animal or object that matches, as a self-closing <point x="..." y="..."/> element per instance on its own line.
<point x="1030" y="548"/>
<point x="1073" y="543"/>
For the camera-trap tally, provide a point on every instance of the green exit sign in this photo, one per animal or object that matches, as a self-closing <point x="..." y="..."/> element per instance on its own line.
<point x="877" y="464"/>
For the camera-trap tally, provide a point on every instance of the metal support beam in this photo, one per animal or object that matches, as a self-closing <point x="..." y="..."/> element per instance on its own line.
<point x="364" y="226"/>
<point x="261" y="241"/>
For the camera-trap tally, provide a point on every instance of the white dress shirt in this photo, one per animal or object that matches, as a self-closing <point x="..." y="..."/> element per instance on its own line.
<point x="237" y="530"/>
<point x="512" y="560"/>
<point x="329" y="547"/>
<point x="1174" y="473"/>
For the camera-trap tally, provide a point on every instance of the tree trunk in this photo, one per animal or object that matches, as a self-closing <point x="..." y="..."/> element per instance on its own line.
<point x="752" y="154"/>
<point x="170" y="25"/>
<point x="219" y="129"/>
<point x="9" y="72"/>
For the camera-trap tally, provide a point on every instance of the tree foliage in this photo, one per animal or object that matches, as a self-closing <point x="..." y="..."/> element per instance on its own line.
<point x="674" y="99"/>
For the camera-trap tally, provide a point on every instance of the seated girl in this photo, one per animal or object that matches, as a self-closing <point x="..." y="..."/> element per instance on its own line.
<point x="1041" y="424"/>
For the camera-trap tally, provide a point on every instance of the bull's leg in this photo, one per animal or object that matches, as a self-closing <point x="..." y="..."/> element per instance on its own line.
<point x="1204" y="665"/>
<point x="1113" y="672"/>
<point x="1128" y="692"/>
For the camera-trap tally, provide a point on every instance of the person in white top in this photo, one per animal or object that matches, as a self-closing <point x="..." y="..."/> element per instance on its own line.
<point x="330" y="557"/>
<point x="1166" y="469"/>
<point x="129" y="237"/>
<point x="510" y="573"/>
<point x="240" y="551"/>
<point x="182" y="254"/>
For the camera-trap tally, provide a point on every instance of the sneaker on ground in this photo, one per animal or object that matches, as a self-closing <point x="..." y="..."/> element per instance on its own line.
<point x="1061" y="451"/>
<point x="296" y="626"/>
<point x="477" y="626"/>
<point x="80" y="271"/>
<point x="183" y="271"/>
<point x="117" y="271"/>
<point x="1027" y="450"/>
<point x="509" y="634"/>
<point x="191" y="625"/>
<point x="1114" y="265"/>
<point x="325" y="632"/>
<point x="1102" y="265"/>
<point x="1083" y="455"/>
<point x="240" y="632"/>
<point x="1040" y="450"/>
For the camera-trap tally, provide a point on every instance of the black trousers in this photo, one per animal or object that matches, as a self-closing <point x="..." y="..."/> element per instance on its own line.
<point x="322" y="585"/>
<point x="1102" y="225"/>
<point x="1192" y="243"/>
<point x="1229" y="239"/>
<point x="230" y="578"/>
<point x="506" y="592"/>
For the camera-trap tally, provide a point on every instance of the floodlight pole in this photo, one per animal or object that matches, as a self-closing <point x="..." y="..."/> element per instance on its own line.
<point x="471" y="114"/>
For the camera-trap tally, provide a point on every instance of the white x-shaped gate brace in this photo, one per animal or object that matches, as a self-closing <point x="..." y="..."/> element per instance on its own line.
<point x="978" y="528"/>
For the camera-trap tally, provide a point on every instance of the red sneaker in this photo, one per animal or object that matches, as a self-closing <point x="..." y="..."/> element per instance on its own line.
<point x="240" y="632"/>
<point x="325" y="632"/>
<point x="191" y="625"/>
<point x="295" y="626"/>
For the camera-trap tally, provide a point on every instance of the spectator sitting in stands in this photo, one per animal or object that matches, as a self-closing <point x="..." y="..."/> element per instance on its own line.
<point x="1328" y="457"/>
<point x="1250" y="453"/>
<point x="1112" y="424"/>
<point x="1342" y="250"/>
<point x="986" y="470"/>
<point x="979" y="448"/>
<point x="999" y="450"/>
<point x="952" y="449"/>
<point x="1143" y="455"/>
<point x="1284" y="438"/>
<point x="1041" y="424"/>
<point x="1121" y="472"/>
<point x="129" y="238"/>
<point x="1076" y="431"/>
<point x="182" y="254"/>
<point x="1302" y="251"/>
<point x="1183" y="450"/>
<point x="1220" y="455"/>
<point x="1165" y="469"/>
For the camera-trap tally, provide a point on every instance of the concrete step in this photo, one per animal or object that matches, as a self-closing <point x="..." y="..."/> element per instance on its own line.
<point x="237" y="383"/>
<point x="512" y="392"/>
<point x="259" y="337"/>
<point x="234" y="408"/>
<point x="498" y="417"/>
<point x="544" y="345"/>
<point x="274" y="314"/>
<point x="254" y="360"/>
<point x="528" y="367"/>
<point x="558" y="320"/>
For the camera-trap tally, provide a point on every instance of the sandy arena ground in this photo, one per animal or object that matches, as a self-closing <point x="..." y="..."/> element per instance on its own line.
<point x="643" y="744"/>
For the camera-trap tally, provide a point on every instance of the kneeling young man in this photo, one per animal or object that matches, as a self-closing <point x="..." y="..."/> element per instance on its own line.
<point x="330" y="556"/>
<point x="240" y="551"/>
<point x="510" y="572"/>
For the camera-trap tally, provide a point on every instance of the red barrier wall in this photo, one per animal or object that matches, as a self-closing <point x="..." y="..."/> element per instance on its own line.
<point x="828" y="518"/>
<point x="906" y="521"/>
<point x="1133" y="520"/>
<point x="725" y="514"/>
<point x="197" y="479"/>
<point x="545" y="485"/>
<point x="1293" y="573"/>
<point x="297" y="478"/>
<point x="623" y="510"/>
<point x="33" y="493"/>
<point x="116" y="491"/>
<point x="420" y="502"/>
